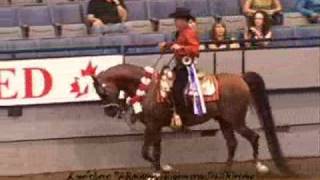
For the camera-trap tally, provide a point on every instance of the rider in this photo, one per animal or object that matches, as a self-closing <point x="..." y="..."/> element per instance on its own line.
<point x="186" y="45"/>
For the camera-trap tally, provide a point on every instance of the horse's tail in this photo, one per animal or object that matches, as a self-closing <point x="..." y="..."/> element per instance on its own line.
<point x="263" y="109"/>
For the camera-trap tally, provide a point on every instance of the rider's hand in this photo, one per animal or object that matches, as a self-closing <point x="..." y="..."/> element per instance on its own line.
<point x="176" y="47"/>
<point x="162" y="46"/>
<point x="117" y="2"/>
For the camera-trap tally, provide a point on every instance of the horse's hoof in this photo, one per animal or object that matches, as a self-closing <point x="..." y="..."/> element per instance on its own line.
<point x="154" y="176"/>
<point x="167" y="168"/>
<point x="261" y="168"/>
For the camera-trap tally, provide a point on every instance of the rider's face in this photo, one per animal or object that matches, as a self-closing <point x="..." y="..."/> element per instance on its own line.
<point x="181" y="23"/>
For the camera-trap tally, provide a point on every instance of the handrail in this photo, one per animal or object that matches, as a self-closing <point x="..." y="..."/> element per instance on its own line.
<point x="123" y="49"/>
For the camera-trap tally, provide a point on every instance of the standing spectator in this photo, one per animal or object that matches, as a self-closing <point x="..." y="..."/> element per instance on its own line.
<point x="259" y="28"/>
<point x="220" y="37"/>
<point x="272" y="7"/>
<point x="106" y="16"/>
<point x="310" y="9"/>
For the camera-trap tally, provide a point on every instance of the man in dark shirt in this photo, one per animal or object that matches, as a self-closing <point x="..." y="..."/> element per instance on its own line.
<point x="107" y="12"/>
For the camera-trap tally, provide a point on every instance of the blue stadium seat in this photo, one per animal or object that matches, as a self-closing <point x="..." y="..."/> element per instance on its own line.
<point x="161" y="8"/>
<point x="69" y="16"/>
<point x="225" y="7"/>
<point x="289" y="5"/>
<point x="146" y="39"/>
<point x="9" y="24"/>
<point x="305" y="32"/>
<point x="8" y="17"/>
<point x="115" y="40"/>
<point x="281" y="32"/>
<point x="67" y="13"/>
<point x="86" y="42"/>
<point x="53" y="44"/>
<point x="23" y="45"/>
<point x="137" y="10"/>
<point x="141" y="26"/>
<point x="39" y="19"/>
<point x="35" y="15"/>
<point x="4" y="47"/>
<point x="199" y="8"/>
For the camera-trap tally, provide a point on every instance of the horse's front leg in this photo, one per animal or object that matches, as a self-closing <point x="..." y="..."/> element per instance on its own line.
<point x="152" y="138"/>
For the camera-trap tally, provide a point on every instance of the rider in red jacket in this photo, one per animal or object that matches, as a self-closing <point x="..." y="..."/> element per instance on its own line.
<point x="186" y="45"/>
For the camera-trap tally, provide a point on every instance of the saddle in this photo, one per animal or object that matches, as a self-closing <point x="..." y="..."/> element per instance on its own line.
<point x="209" y="87"/>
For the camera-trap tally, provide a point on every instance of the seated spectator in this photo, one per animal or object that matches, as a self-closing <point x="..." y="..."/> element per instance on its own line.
<point x="106" y="16"/>
<point x="220" y="36"/>
<point x="310" y="9"/>
<point x="272" y="7"/>
<point x="259" y="28"/>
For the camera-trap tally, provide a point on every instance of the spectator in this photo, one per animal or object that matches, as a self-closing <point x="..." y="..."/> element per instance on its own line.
<point x="272" y="7"/>
<point x="259" y="28"/>
<point x="310" y="9"/>
<point x="220" y="36"/>
<point x="106" y="16"/>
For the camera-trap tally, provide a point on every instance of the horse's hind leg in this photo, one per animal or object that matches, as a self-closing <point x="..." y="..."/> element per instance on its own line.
<point x="252" y="137"/>
<point x="231" y="140"/>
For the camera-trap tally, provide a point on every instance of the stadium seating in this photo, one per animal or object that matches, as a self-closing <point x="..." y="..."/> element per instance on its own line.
<point x="39" y="21"/>
<point x="204" y="25"/>
<point x="161" y="8"/>
<point x="147" y="39"/>
<point x="4" y="47"/>
<point x="280" y="32"/>
<point x="137" y="10"/>
<point x="70" y="18"/>
<point x="85" y="42"/>
<point x="61" y="23"/>
<point x="23" y="45"/>
<point x="199" y="8"/>
<point x="294" y="19"/>
<point x="54" y="43"/>
<point x="139" y="26"/>
<point x="305" y="32"/>
<point x="9" y="24"/>
<point x="115" y="40"/>
<point x="225" y="8"/>
<point x="289" y="5"/>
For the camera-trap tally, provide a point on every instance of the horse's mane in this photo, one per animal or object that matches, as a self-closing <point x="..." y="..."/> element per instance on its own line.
<point x="123" y="71"/>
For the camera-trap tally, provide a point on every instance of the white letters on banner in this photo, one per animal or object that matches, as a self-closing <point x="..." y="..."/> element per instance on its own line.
<point x="45" y="81"/>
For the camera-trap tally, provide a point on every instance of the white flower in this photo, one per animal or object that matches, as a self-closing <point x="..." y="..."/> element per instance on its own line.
<point x="137" y="107"/>
<point x="149" y="69"/>
<point x="145" y="81"/>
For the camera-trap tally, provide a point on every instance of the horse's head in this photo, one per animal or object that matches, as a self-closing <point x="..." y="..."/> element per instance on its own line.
<point x="109" y="95"/>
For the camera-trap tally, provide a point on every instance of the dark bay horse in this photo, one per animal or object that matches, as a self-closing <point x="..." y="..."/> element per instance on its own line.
<point x="236" y="94"/>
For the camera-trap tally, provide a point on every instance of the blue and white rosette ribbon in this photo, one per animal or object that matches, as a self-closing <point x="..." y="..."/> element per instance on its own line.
<point x="199" y="106"/>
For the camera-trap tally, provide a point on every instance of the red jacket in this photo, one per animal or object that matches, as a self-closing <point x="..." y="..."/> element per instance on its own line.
<point x="189" y="41"/>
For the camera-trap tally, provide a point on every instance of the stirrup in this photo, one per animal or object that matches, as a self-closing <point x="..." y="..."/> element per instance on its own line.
<point x="176" y="122"/>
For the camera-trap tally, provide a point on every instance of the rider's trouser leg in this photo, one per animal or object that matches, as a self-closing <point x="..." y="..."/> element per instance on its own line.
<point x="179" y="86"/>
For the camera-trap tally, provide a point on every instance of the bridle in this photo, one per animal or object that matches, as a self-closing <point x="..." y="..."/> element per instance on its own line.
<point x="111" y="105"/>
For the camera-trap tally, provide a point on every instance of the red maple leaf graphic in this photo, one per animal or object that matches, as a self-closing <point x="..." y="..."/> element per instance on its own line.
<point x="89" y="71"/>
<point x="75" y="87"/>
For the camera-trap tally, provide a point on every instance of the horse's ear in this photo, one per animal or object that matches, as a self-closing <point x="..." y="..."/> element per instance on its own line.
<point x="95" y="80"/>
<point x="97" y="85"/>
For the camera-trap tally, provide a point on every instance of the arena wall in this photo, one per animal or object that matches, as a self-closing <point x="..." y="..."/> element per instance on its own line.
<point x="51" y="138"/>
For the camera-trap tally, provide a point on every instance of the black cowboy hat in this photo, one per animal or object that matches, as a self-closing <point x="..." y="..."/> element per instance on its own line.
<point x="182" y="13"/>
